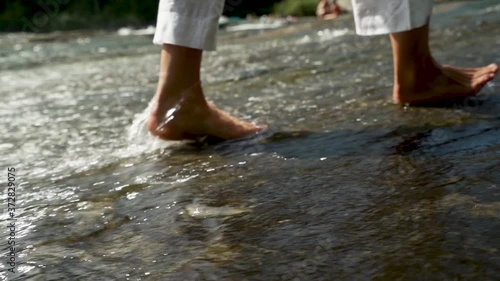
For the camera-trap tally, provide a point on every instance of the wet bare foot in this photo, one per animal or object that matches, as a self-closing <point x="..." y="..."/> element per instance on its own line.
<point x="193" y="117"/>
<point x="442" y="83"/>
<point x="327" y="11"/>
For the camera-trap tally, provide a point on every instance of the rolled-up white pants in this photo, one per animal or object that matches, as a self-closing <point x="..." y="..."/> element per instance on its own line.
<point x="374" y="17"/>
<point x="188" y="23"/>
<point x="194" y="23"/>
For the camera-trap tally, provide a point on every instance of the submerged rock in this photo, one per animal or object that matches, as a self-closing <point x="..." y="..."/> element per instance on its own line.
<point x="202" y="211"/>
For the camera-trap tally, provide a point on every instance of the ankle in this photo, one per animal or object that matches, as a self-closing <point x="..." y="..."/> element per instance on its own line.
<point x="410" y="73"/>
<point x="169" y="95"/>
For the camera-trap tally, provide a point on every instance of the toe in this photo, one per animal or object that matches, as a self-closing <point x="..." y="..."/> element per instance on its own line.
<point x="493" y="67"/>
<point x="480" y="81"/>
<point x="487" y="72"/>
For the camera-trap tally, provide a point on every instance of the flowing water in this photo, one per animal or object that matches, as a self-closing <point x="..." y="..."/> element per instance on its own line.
<point x="345" y="185"/>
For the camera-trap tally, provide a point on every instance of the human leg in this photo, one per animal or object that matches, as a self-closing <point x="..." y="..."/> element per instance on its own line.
<point x="418" y="78"/>
<point x="180" y="110"/>
<point x="185" y="28"/>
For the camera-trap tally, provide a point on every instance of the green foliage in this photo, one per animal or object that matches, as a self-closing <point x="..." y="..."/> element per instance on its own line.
<point x="47" y="15"/>
<point x="13" y="11"/>
<point x="296" y="7"/>
<point x="241" y="8"/>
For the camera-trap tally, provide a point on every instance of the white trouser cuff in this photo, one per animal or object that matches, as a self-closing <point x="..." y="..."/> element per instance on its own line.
<point x="188" y="23"/>
<point x="374" y="17"/>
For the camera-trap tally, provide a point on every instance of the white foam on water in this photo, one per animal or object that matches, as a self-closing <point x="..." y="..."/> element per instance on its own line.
<point x="256" y="26"/>
<point x="197" y="210"/>
<point x="139" y="139"/>
<point x="324" y="35"/>
<point x="127" y="31"/>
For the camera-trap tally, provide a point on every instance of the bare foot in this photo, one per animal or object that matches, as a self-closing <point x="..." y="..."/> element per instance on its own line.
<point x="330" y="16"/>
<point x="193" y="117"/>
<point x="327" y="11"/>
<point x="442" y="83"/>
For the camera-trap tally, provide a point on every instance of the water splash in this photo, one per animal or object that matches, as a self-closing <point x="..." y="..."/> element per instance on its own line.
<point x="139" y="139"/>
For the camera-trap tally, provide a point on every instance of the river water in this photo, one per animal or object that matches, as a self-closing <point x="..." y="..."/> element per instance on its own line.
<point x="344" y="186"/>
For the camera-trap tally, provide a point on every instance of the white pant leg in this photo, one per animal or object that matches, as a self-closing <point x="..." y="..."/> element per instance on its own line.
<point x="374" y="17"/>
<point x="188" y="23"/>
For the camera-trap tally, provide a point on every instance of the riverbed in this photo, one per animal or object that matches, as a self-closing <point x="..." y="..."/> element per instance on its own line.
<point x="344" y="186"/>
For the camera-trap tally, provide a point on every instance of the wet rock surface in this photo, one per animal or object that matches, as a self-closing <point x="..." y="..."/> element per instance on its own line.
<point x="345" y="185"/>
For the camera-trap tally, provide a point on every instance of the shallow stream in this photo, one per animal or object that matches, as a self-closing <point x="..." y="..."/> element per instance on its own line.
<point x="345" y="185"/>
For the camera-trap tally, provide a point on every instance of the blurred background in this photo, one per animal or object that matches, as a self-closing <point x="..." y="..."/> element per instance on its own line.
<point x="346" y="186"/>
<point x="50" y="15"/>
<point x="66" y="14"/>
